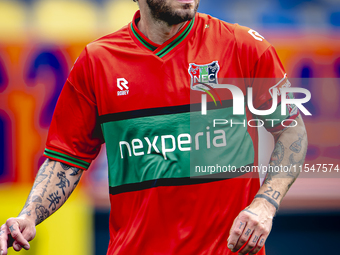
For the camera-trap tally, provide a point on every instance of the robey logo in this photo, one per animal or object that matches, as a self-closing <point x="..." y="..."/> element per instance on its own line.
<point x="122" y="85"/>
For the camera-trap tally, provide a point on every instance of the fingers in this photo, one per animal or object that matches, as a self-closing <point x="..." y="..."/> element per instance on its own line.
<point x="236" y="232"/>
<point x="248" y="233"/>
<point x="255" y="243"/>
<point x="16" y="246"/>
<point x="259" y="245"/>
<point x="29" y="232"/>
<point x="15" y="231"/>
<point x="3" y="239"/>
<point x="245" y="236"/>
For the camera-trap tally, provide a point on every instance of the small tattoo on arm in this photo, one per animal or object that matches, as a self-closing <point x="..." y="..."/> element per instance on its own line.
<point x="46" y="185"/>
<point x="275" y="195"/>
<point x="290" y="174"/>
<point x="37" y="199"/>
<point x="75" y="170"/>
<point x="54" y="200"/>
<point x="289" y="185"/>
<point x="64" y="166"/>
<point x="39" y="179"/>
<point x="267" y="180"/>
<point x="42" y="213"/>
<point x="293" y="162"/>
<point x="25" y="211"/>
<point x="77" y="181"/>
<point x="278" y="153"/>
<point x="44" y="191"/>
<point x="54" y="164"/>
<point x="297" y="146"/>
<point x="64" y="182"/>
<point x="246" y="210"/>
<point x="248" y="232"/>
<point x="270" y="189"/>
<point x="41" y="174"/>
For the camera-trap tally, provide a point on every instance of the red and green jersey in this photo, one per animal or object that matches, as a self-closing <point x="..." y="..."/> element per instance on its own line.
<point x="143" y="100"/>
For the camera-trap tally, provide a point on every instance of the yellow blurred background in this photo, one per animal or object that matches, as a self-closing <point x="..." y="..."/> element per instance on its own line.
<point x="41" y="39"/>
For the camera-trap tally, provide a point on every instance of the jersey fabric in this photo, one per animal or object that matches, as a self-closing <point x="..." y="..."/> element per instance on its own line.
<point x="143" y="101"/>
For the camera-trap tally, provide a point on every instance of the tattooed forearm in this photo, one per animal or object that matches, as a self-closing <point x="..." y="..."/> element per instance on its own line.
<point x="290" y="150"/>
<point x="280" y="158"/>
<point x="57" y="181"/>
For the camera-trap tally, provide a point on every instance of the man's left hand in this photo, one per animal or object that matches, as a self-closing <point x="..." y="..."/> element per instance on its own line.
<point x="251" y="227"/>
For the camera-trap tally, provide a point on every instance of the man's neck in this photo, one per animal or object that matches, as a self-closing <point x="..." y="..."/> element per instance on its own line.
<point x="155" y="30"/>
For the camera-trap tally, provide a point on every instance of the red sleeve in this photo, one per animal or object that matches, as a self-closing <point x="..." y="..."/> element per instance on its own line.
<point x="264" y="71"/>
<point x="268" y="74"/>
<point x="75" y="136"/>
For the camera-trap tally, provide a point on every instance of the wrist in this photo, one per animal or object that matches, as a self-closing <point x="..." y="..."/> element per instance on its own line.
<point x="271" y="205"/>
<point x="28" y="216"/>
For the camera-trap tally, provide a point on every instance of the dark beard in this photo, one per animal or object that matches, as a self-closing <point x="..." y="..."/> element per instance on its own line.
<point x="163" y="12"/>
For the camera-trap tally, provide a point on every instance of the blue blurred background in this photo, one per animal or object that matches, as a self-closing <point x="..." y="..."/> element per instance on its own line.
<point x="39" y="42"/>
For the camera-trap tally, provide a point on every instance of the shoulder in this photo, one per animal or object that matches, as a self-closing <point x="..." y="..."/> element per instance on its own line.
<point x="118" y="40"/>
<point x="250" y="41"/>
<point x="219" y="27"/>
<point x="247" y="40"/>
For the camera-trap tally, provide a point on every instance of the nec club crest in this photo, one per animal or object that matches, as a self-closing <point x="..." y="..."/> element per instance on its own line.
<point x="206" y="74"/>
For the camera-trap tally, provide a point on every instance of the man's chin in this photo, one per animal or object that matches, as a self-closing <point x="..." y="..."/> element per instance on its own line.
<point x="180" y="17"/>
<point x="178" y="12"/>
<point x="186" y="14"/>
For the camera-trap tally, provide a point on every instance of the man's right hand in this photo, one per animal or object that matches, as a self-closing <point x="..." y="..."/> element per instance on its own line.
<point x="16" y="232"/>
<point x="53" y="185"/>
